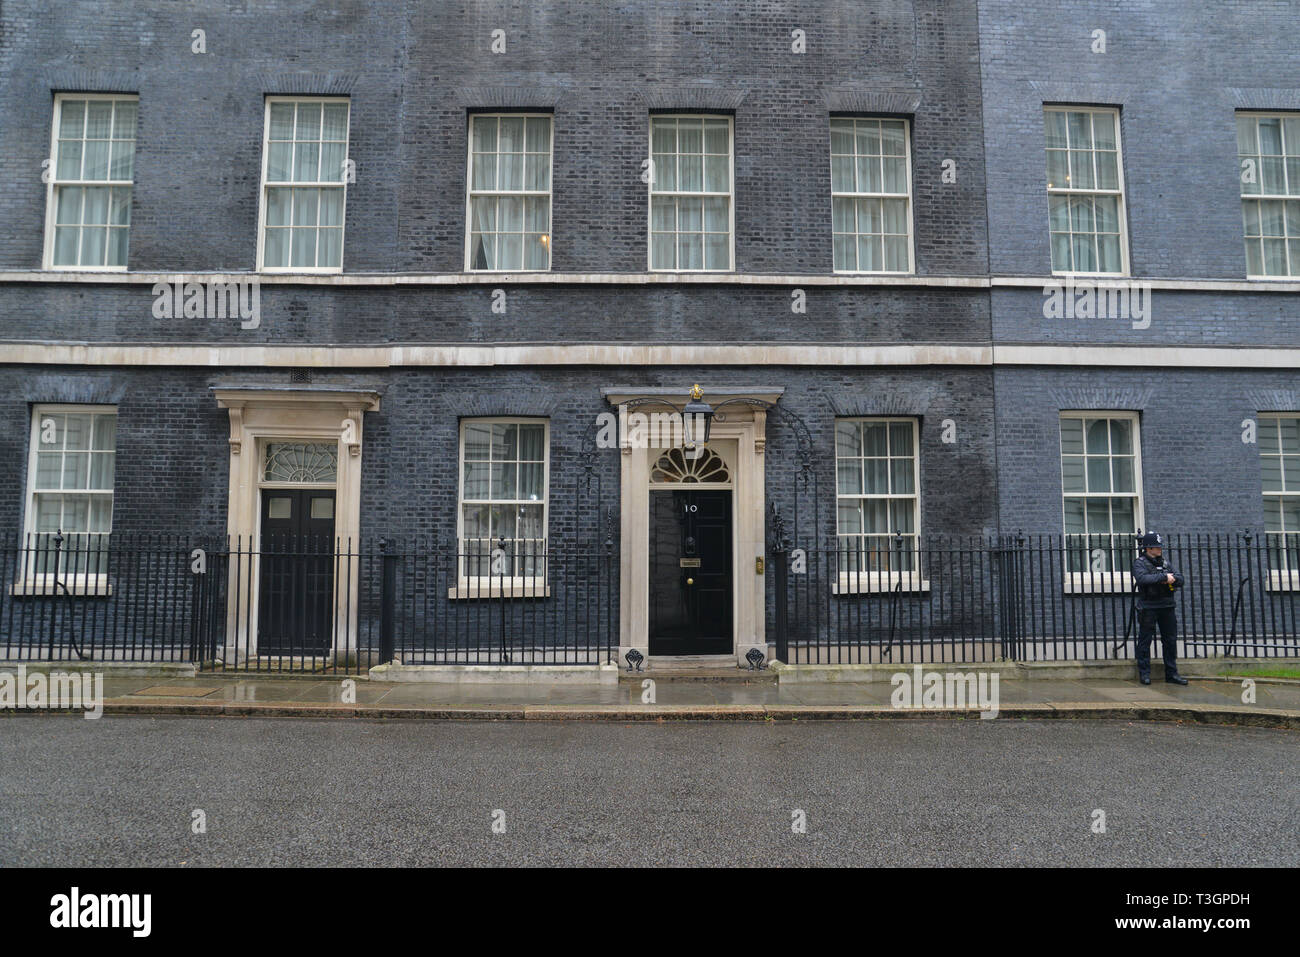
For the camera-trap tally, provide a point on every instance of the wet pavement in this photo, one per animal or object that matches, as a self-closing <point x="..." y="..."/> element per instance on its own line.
<point x="363" y="694"/>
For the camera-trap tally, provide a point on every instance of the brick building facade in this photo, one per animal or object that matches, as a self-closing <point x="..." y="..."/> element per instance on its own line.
<point x="425" y="306"/>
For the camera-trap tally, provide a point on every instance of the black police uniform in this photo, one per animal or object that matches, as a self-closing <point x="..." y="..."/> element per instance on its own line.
<point x="1155" y="602"/>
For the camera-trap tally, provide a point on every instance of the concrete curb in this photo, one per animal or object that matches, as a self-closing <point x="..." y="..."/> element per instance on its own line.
<point x="1065" y="670"/>
<point x="109" y="669"/>
<point x="1280" y="718"/>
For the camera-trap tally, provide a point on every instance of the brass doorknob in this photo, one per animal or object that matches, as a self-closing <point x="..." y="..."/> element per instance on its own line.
<point x="690" y="581"/>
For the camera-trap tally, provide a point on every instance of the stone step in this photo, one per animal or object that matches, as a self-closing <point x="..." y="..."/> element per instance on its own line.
<point x="697" y="673"/>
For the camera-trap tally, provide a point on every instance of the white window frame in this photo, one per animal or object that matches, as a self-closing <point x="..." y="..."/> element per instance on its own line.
<point x="1121" y="191"/>
<point x="341" y="183"/>
<point x="80" y="583"/>
<point x="470" y="192"/>
<point x="1285" y="578"/>
<point x="872" y="582"/>
<point x="1261" y="196"/>
<point x="1108" y="582"/>
<point x="51" y="189"/>
<point x="730" y="194"/>
<point x="907" y="197"/>
<point x="536" y="585"/>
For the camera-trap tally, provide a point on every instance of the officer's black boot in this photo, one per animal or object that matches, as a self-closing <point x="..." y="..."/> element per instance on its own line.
<point x="1144" y="658"/>
<point x="1169" y="646"/>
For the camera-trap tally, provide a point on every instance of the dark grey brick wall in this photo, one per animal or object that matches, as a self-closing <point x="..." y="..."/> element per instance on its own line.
<point x="1175" y="318"/>
<point x="1177" y="71"/>
<point x="1197" y="473"/>
<point x="656" y="312"/>
<point x="606" y="65"/>
<point x="172" y="472"/>
<point x="172" y="452"/>
<point x="199" y="139"/>
<point x="414" y="68"/>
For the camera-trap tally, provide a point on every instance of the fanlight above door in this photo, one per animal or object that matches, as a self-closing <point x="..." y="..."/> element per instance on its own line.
<point x="677" y="466"/>
<point x="301" y="462"/>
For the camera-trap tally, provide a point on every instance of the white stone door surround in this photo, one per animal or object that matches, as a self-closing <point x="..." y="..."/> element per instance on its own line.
<point x="740" y="435"/>
<point x="291" y="414"/>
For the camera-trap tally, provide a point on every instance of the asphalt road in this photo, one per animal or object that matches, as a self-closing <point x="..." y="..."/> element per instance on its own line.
<point x="122" y="791"/>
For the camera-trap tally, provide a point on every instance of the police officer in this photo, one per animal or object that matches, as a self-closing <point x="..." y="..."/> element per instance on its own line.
<point x="1155" y="580"/>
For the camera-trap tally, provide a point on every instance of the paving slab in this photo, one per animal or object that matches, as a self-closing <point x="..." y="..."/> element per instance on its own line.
<point x="1134" y="692"/>
<point x="117" y="687"/>
<point x="873" y="694"/>
<point x="175" y="691"/>
<point x="1277" y="702"/>
<point x="700" y="693"/>
<point x="603" y="694"/>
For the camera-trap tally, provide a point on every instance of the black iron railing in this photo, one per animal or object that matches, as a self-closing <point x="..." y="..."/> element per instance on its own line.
<point x="1027" y="598"/>
<point x="304" y="603"/>
<point x="342" y="606"/>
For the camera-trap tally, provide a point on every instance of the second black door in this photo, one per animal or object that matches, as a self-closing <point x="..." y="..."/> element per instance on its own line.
<point x="690" y="572"/>
<point x="295" y="607"/>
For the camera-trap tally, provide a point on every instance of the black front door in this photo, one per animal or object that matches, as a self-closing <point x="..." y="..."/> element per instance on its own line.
<point x="690" y="572"/>
<point x="295" y="605"/>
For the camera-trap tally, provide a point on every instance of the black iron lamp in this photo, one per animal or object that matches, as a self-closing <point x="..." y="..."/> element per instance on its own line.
<point x="697" y="419"/>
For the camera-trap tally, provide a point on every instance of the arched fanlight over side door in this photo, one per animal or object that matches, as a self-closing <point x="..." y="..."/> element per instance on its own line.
<point x="301" y="462"/>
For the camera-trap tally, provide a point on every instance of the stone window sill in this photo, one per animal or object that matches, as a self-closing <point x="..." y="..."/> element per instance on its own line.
<point x="880" y="583"/>
<point x="467" y="589"/>
<point x="77" y="588"/>
<point x="1102" y="583"/>
<point x="1283" y="581"/>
